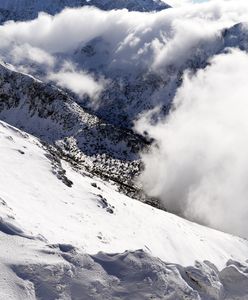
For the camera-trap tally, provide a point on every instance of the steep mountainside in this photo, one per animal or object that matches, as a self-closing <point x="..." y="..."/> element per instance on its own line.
<point x="134" y="87"/>
<point x="20" y="10"/>
<point x="70" y="225"/>
<point x="50" y="114"/>
<point x="50" y="232"/>
<point x="134" y="84"/>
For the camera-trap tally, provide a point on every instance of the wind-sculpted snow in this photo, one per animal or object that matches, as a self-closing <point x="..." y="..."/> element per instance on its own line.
<point x="11" y="229"/>
<point x="50" y="273"/>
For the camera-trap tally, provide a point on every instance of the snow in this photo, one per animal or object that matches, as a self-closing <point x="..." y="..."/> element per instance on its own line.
<point x="67" y="234"/>
<point x="94" y="219"/>
<point x="32" y="270"/>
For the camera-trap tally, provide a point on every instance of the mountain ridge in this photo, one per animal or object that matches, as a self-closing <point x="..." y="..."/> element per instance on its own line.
<point x="23" y="10"/>
<point x="53" y="116"/>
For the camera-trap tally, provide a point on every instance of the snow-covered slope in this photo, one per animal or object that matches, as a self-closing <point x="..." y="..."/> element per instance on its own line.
<point x="20" y="10"/>
<point x="32" y="270"/>
<point x="48" y="226"/>
<point x="51" y="115"/>
<point x="95" y="216"/>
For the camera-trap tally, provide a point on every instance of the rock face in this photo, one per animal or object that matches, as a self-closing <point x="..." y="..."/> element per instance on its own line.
<point x="236" y="36"/>
<point x="20" y="10"/>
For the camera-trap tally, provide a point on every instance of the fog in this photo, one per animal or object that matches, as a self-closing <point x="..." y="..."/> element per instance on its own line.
<point x="199" y="165"/>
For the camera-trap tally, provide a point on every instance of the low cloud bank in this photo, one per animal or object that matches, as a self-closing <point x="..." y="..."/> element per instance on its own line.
<point x="134" y="40"/>
<point x="78" y="81"/>
<point x="199" y="166"/>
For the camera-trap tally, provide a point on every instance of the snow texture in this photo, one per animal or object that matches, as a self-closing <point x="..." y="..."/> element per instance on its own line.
<point x="47" y="228"/>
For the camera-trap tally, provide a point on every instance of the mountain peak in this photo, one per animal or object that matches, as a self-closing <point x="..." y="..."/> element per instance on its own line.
<point x="21" y="10"/>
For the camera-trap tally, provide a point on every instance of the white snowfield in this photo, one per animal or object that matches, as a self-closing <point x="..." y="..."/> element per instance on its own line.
<point x="48" y="230"/>
<point x="40" y="204"/>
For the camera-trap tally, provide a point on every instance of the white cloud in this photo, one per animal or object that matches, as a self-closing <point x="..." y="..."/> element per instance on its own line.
<point x="199" y="167"/>
<point x="81" y="83"/>
<point x="67" y="30"/>
<point x="26" y="52"/>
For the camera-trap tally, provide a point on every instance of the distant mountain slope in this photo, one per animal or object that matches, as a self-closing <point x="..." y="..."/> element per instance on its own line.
<point x="20" y="10"/>
<point x="51" y="115"/>
<point x="135" y="87"/>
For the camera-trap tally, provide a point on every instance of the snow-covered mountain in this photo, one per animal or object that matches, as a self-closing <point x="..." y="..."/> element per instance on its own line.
<point x="134" y="87"/>
<point x="50" y="233"/>
<point x="71" y="225"/>
<point x="20" y="10"/>
<point x="52" y="115"/>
